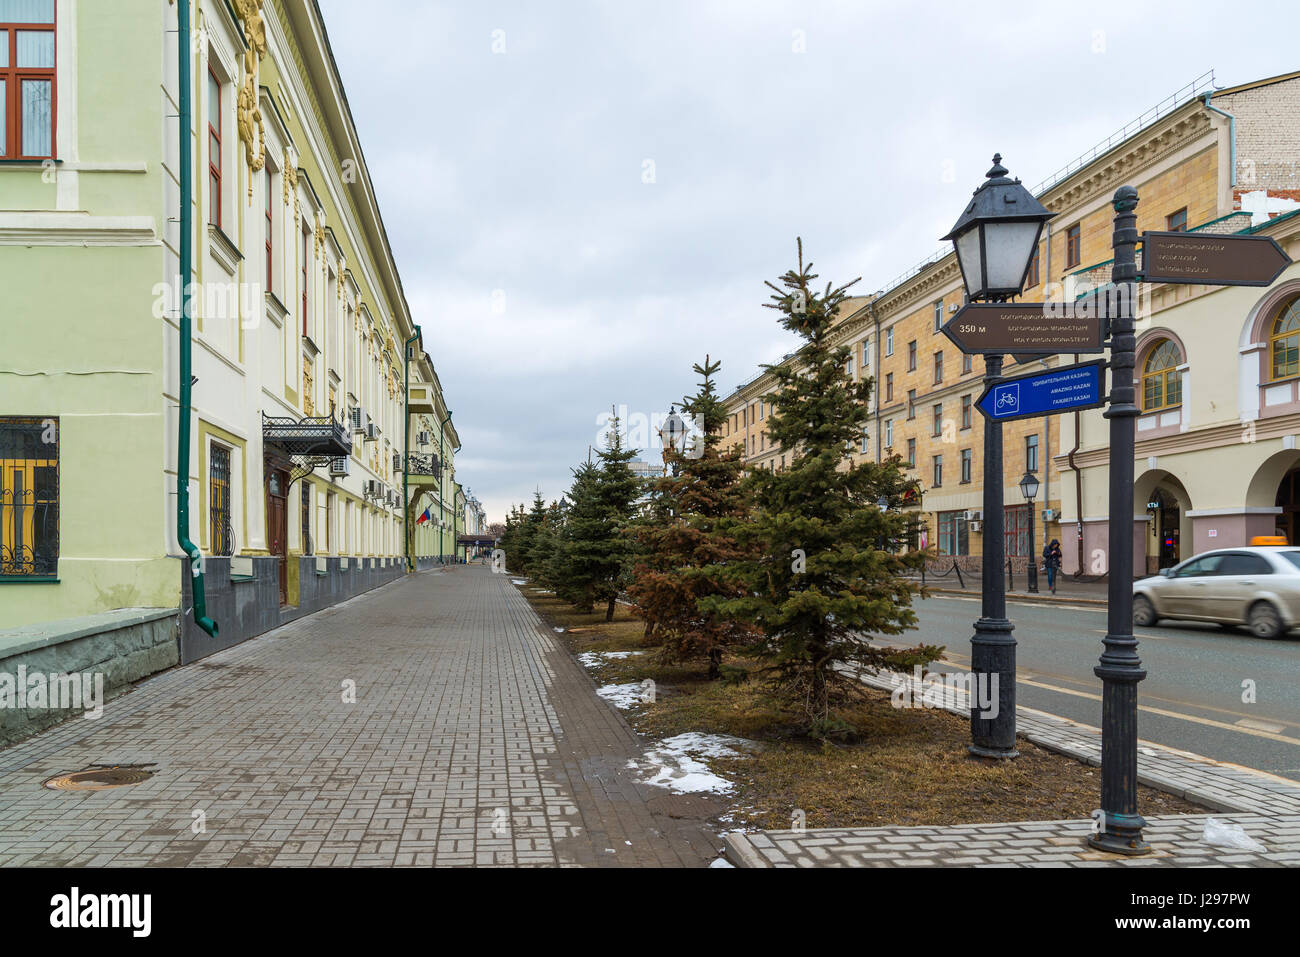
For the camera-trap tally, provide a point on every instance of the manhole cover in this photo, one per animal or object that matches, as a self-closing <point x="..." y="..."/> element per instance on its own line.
<point x="98" y="779"/>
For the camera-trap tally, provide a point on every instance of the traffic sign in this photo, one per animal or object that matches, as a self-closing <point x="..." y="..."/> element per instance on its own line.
<point x="1024" y="329"/>
<point x="1063" y="389"/>
<point x="1211" y="259"/>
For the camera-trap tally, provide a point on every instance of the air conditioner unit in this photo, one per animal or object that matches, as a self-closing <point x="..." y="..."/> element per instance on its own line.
<point x="976" y="526"/>
<point x="357" y="417"/>
<point x="974" y="515"/>
<point x="339" y="466"/>
<point x="372" y="432"/>
<point x="1051" y="515"/>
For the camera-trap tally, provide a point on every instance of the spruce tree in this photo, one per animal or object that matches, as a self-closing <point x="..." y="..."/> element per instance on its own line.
<point x="598" y="550"/>
<point x="820" y="583"/>
<point x="684" y="545"/>
<point x="529" y="526"/>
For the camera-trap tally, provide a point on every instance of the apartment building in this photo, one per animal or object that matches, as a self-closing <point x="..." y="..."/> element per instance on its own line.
<point x="317" y="415"/>
<point x="1207" y="159"/>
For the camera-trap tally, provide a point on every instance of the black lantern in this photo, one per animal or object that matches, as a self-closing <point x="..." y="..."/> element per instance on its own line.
<point x="672" y="432"/>
<point x="996" y="236"/>
<point x="1029" y="487"/>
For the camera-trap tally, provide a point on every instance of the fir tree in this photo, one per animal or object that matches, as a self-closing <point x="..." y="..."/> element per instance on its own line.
<point x="820" y="584"/>
<point x="684" y="544"/>
<point x="598" y="550"/>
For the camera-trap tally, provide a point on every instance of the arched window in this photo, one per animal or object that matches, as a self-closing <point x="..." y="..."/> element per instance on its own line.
<point x="1284" y="341"/>
<point x="1162" y="384"/>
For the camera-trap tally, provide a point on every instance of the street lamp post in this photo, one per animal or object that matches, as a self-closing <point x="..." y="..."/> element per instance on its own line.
<point x="1029" y="489"/>
<point x="995" y="239"/>
<point x="1120" y="669"/>
<point x="882" y="503"/>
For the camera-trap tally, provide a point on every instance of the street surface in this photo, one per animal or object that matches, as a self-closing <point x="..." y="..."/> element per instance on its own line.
<point x="1191" y="698"/>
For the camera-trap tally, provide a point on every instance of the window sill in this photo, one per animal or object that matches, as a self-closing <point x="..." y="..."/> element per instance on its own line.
<point x="30" y="163"/>
<point x="29" y="580"/>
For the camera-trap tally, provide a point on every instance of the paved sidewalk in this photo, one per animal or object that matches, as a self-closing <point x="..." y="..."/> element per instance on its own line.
<point x="475" y="739"/>
<point x="1068" y="590"/>
<point x="1266" y="806"/>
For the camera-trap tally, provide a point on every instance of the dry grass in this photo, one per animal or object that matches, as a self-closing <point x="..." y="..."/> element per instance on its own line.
<point x="907" y="767"/>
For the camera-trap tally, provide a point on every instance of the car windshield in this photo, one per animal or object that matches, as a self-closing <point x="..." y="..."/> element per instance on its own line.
<point x="1293" y="558"/>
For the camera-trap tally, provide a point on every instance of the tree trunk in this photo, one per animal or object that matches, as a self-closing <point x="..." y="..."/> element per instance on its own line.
<point x="715" y="663"/>
<point x="609" y="612"/>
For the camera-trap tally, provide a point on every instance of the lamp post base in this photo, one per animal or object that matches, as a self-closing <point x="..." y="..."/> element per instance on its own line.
<point x="1123" y="835"/>
<point x="982" y="752"/>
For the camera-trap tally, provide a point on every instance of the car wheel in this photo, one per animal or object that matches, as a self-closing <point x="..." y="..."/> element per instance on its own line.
<point x="1144" y="613"/>
<point x="1264" y="620"/>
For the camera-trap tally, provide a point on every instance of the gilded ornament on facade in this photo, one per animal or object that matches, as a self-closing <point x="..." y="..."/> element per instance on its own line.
<point x="252" y="130"/>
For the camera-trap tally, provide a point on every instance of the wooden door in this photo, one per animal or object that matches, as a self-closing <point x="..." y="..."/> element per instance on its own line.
<point x="277" y="525"/>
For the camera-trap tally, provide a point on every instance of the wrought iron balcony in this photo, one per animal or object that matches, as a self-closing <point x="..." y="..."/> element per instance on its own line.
<point x="312" y="435"/>
<point x="423" y="469"/>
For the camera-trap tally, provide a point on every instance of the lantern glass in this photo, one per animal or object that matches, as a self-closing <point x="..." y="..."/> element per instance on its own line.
<point x="1029" y="486"/>
<point x="1008" y="247"/>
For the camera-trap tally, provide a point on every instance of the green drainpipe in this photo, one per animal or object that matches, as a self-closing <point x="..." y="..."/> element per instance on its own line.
<point x="187" y="255"/>
<point x="406" y="459"/>
<point x="442" y="485"/>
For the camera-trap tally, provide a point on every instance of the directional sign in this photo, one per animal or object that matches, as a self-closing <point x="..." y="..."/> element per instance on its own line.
<point x="1212" y="260"/>
<point x="1064" y="389"/>
<point x="1024" y="328"/>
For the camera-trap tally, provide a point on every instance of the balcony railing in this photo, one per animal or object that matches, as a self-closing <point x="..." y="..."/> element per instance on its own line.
<point x="424" y="464"/>
<point x="312" y="435"/>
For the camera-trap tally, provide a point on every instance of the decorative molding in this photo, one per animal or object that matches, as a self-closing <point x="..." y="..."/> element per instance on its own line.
<point x="58" y="228"/>
<point x="252" y="129"/>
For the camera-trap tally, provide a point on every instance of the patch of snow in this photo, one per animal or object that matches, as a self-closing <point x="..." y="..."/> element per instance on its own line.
<point x="594" y="659"/>
<point x="622" y="696"/>
<point x="674" y="763"/>
<point x="559" y="631"/>
<point x="721" y="862"/>
<point x="519" y="581"/>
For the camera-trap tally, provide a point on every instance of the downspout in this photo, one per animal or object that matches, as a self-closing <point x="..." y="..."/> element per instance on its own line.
<point x="191" y="550"/>
<point x="876" y="372"/>
<point x="1232" y="136"/>
<point x="406" y="459"/>
<point x="442" y="484"/>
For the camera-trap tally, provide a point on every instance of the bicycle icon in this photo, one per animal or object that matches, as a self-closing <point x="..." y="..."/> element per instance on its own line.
<point x="1007" y="399"/>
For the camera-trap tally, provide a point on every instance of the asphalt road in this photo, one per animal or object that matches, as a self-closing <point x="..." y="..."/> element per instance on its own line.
<point x="1191" y="698"/>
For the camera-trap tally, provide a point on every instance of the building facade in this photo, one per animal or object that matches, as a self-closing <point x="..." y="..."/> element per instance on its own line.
<point x="1217" y="161"/>
<point x="306" y="442"/>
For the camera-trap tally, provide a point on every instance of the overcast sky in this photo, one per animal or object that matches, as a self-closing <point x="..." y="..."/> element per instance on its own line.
<point x="585" y="198"/>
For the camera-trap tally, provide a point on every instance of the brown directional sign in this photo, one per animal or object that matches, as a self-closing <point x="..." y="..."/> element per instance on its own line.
<point x="1212" y="260"/>
<point x="1025" y="329"/>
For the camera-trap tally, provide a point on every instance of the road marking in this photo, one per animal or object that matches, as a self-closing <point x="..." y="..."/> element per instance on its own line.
<point x="1250" y="726"/>
<point x="1210" y="722"/>
<point x="1103" y="631"/>
<point x="1261" y="725"/>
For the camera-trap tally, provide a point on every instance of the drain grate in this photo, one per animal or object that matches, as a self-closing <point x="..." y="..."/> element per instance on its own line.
<point x="99" y="777"/>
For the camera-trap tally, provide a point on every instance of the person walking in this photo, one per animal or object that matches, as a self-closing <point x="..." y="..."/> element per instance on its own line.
<point x="1052" y="563"/>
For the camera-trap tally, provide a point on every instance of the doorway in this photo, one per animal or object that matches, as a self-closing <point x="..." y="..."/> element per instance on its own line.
<point x="1288" y="499"/>
<point x="277" y="525"/>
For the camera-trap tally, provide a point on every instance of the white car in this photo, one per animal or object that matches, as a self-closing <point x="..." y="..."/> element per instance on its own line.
<point x="1255" y="586"/>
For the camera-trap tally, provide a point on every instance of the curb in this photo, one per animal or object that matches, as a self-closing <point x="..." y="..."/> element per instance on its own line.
<point x="1020" y="596"/>
<point x="741" y="853"/>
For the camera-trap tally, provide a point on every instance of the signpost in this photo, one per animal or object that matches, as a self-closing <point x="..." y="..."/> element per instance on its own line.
<point x="998" y="218"/>
<point x="1023" y="329"/>
<point x="1063" y="389"/>
<point x="1211" y="259"/>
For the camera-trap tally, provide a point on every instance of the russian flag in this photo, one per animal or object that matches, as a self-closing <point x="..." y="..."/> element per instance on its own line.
<point x="423" y="518"/>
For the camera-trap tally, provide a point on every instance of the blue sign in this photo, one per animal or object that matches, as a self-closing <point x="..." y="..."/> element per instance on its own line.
<point x="1066" y="389"/>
